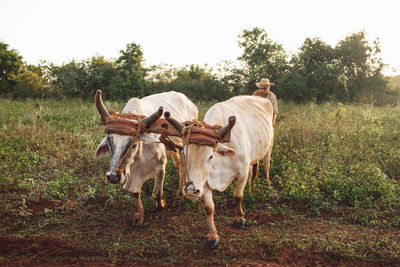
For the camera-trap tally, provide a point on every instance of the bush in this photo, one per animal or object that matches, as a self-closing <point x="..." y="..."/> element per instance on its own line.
<point x="338" y="154"/>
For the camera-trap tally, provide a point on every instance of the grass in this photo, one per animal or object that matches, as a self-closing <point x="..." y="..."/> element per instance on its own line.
<point x="341" y="156"/>
<point x="334" y="200"/>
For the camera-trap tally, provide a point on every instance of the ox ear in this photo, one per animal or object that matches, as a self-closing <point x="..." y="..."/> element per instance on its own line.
<point x="148" y="139"/>
<point x="139" y="150"/>
<point x="225" y="151"/>
<point x="102" y="149"/>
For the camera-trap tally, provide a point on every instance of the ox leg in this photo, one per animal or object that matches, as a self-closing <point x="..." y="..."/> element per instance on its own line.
<point x="182" y="174"/>
<point x="267" y="164"/>
<point x="139" y="215"/>
<point x="179" y="161"/>
<point x="212" y="236"/>
<point x="250" y="177"/>
<point x="158" y="189"/>
<point x="253" y="174"/>
<point x="238" y="196"/>
<point x="255" y="170"/>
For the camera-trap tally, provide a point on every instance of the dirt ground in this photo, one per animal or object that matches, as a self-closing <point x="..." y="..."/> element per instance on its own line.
<point x="97" y="235"/>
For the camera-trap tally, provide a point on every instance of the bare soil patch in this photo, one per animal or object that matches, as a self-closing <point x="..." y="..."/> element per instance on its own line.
<point x="41" y="205"/>
<point x="96" y="234"/>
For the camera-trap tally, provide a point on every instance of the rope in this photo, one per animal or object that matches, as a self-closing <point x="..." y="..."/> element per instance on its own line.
<point x="122" y="162"/>
<point x="114" y="114"/>
<point x="170" y="144"/>
<point x="121" y="123"/>
<point x="199" y="132"/>
<point x="189" y="130"/>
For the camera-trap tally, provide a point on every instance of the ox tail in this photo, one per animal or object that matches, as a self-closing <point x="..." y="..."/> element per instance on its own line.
<point x="253" y="173"/>
<point x="255" y="170"/>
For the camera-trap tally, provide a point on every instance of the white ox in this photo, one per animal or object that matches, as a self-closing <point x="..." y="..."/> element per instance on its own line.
<point x="148" y="157"/>
<point x="211" y="168"/>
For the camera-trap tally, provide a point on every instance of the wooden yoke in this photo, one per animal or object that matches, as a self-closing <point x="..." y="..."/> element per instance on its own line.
<point x="201" y="133"/>
<point x="133" y="125"/>
<point x="165" y="129"/>
<point x="161" y="126"/>
<point x="128" y="123"/>
<point x="196" y="132"/>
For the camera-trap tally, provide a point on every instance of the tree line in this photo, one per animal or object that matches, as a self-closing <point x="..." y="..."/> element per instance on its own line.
<point x="349" y="72"/>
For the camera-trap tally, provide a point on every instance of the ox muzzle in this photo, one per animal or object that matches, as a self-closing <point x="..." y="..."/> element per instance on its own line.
<point x="113" y="178"/>
<point x="191" y="191"/>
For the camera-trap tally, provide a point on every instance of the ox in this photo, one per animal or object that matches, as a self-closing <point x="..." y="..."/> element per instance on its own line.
<point x="145" y="157"/>
<point x="213" y="167"/>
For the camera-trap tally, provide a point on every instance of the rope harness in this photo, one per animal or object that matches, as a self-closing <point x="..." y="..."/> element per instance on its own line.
<point x="123" y="123"/>
<point x="130" y="124"/>
<point x="201" y="133"/>
<point x="194" y="132"/>
<point x="122" y="163"/>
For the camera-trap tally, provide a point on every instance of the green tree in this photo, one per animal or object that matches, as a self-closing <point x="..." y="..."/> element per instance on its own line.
<point x="69" y="79"/>
<point x="200" y="84"/>
<point x="394" y="83"/>
<point x="131" y="59"/>
<point x="294" y="86"/>
<point x="360" y="68"/>
<point x="30" y="83"/>
<point x="319" y="62"/>
<point x="195" y="82"/>
<point x="233" y="77"/>
<point x="349" y="72"/>
<point x="100" y="73"/>
<point x="82" y="79"/>
<point x="130" y="78"/>
<point x="261" y="57"/>
<point x="10" y="66"/>
<point x="313" y="74"/>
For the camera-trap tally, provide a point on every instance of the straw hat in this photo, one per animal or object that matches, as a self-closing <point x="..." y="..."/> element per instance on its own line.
<point x="264" y="82"/>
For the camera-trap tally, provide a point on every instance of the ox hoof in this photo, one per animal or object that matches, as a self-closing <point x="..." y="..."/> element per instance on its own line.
<point x="177" y="201"/>
<point x="178" y="198"/>
<point x="211" y="244"/>
<point x="238" y="224"/>
<point x="138" y="219"/>
<point x="180" y="195"/>
<point x="161" y="204"/>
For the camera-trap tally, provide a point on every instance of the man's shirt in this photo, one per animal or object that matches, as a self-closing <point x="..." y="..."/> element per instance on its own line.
<point x="271" y="97"/>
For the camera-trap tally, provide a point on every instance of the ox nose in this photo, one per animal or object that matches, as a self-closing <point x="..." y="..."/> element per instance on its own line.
<point x="189" y="187"/>
<point x="113" y="178"/>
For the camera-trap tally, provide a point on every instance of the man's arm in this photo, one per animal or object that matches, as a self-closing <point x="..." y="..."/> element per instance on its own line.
<point x="275" y="108"/>
<point x="273" y="119"/>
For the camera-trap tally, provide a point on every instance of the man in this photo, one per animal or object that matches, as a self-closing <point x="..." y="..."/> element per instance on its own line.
<point x="264" y="91"/>
<point x="264" y="86"/>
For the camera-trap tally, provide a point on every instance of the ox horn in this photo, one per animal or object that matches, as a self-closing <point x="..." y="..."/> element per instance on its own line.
<point x="149" y="120"/>
<point x="176" y="124"/>
<point x="100" y="106"/>
<point x="227" y="129"/>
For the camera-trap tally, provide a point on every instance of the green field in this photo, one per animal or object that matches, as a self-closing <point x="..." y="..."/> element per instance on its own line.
<point x="334" y="199"/>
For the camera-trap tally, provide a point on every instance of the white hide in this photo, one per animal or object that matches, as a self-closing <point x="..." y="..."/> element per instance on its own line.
<point x="251" y="138"/>
<point x="152" y="159"/>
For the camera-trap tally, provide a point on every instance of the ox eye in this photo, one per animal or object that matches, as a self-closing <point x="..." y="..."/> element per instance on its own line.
<point x="210" y="157"/>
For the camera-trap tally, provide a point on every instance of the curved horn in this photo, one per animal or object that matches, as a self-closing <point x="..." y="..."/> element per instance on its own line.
<point x="176" y="124"/>
<point x="227" y="128"/>
<point x="149" y="120"/>
<point x="100" y="106"/>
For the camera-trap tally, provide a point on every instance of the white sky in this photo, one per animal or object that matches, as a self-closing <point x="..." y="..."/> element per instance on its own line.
<point x="188" y="32"/>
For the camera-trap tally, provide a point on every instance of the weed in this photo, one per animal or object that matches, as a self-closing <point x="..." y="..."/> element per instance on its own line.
<point x="338" y="163"/>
